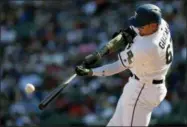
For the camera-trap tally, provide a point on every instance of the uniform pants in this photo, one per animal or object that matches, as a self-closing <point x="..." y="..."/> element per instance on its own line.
<point x="136" y="103"/>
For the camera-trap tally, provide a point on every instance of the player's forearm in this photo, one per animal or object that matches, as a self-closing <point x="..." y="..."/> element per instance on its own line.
<point x="113" y="45"/>
<point x="120" y="41"/>
<point x="116" y="44"/>
<point x="109" y="69"/>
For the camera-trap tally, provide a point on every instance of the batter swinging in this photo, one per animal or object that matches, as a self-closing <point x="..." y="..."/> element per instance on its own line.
<point x="146" y="49"/>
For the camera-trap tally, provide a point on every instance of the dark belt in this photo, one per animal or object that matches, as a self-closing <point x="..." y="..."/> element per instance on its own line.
<point x="154" y="81"/>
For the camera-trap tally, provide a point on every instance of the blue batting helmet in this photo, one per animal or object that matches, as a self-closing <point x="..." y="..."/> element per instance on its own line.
<point x="146" y="14"/>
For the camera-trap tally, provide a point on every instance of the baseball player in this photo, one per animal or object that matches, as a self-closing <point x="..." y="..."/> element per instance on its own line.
<point x="145" y="48"/>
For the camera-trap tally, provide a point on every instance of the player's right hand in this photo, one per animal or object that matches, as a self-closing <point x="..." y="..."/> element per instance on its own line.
<point x="82" y="71"/>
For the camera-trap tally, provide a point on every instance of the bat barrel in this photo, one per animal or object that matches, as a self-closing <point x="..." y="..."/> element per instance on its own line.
<point x="54" y="93"/>
<point x="50" y="97"/>
<point x="41" y="106"/>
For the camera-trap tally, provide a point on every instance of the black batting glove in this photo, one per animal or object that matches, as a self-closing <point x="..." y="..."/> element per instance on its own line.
<point x="91" y="60"/>
<point x="82" y="71"/>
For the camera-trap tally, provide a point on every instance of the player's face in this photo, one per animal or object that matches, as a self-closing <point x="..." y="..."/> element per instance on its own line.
<point x="142" y="30"/>
<point x="147" y="29"/>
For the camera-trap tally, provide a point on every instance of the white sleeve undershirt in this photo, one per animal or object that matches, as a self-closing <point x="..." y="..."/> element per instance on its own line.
<point x="109" y="69"/>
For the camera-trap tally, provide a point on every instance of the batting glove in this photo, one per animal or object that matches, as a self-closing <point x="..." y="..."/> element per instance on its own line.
<point x="82" y="71"/>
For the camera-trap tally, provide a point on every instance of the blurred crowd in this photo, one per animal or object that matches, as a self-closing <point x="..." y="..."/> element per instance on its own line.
<point x="42" y="42"/>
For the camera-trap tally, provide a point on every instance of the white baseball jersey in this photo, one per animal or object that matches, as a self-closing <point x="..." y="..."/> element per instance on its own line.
<point x="149" y="58"/>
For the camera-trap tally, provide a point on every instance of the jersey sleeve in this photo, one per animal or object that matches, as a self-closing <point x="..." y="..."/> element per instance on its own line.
<point x="109" y="69"/>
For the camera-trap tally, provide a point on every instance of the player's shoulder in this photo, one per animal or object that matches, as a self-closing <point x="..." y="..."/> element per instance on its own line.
<point x="145" y="43"/>
<point x="143" y="46"/>
<point x="149" y="44"/>
<point x="153" y="40"/>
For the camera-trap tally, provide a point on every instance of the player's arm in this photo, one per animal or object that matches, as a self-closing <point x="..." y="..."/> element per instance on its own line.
<point x="106" y="70"/>
<point x="109" y="69"/>
<point x="119" y="42"/>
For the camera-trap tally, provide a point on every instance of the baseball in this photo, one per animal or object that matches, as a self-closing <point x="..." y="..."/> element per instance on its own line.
<point x="29" y="88"/>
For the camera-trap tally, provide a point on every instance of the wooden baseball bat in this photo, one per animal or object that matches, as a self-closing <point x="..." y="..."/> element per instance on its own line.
<point x="52" y="95"/>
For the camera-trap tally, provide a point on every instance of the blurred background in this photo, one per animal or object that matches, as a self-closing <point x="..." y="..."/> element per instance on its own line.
<point x="42" y="42"/>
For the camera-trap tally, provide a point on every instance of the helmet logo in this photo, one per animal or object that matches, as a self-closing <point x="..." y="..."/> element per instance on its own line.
<point x="135" y="14"/>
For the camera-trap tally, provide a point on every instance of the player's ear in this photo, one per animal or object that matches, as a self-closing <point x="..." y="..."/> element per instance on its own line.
<point x="154" y="26"/>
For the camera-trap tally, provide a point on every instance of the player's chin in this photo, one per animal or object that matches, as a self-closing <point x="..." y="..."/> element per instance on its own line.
<point x="141" y="34"/>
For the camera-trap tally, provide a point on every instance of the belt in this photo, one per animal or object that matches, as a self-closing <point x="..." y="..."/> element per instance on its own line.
<point x="154" y="81"/>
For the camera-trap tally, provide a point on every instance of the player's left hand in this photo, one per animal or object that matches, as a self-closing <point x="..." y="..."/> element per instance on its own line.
<point x="82" y="71"/>
<point x="91" y="60"/>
